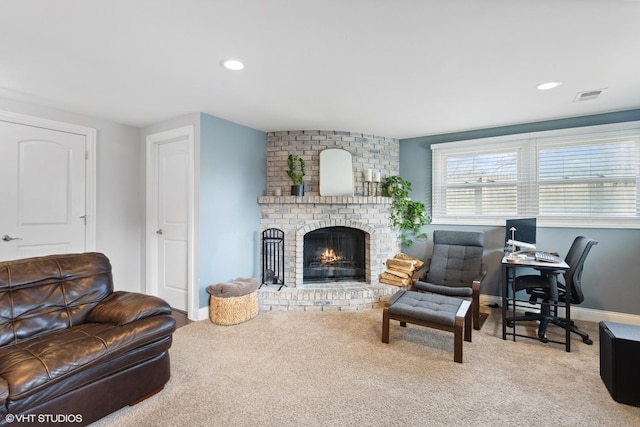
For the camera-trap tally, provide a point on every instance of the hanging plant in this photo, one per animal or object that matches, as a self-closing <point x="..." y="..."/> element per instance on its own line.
<point x="406" y="214"/>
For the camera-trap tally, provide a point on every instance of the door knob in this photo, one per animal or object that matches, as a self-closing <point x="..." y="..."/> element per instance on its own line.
<point x="8" y="238"/>
<point x="159" y="231"/>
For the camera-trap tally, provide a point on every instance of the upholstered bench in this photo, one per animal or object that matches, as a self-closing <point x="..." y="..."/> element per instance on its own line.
<point x="233" y="302"/>
<point x="430" y="310"/>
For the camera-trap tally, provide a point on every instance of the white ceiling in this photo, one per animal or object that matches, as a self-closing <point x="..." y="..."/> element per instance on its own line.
<point x="394" y="68"/>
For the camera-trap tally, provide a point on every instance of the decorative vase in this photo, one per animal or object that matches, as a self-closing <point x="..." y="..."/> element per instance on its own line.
<point x="297" y="190"/>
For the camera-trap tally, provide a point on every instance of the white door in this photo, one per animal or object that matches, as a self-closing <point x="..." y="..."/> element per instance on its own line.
<point x="42" y="188"/>
<point x="169" y="213"/>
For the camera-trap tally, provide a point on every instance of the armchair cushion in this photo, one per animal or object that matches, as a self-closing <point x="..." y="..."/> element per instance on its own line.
<point x="122" y="308"/>
<point x="453" y="265"/>
<point x="452" y="291"/>
<point x="38" y="295"/>
<point x="40" y="362"/>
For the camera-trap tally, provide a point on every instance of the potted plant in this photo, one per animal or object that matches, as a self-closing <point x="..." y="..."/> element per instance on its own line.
<point x="297" y="189"/>
<point x="406" y="214"/>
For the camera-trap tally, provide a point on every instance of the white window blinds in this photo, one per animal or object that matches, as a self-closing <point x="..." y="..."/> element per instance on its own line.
<point x="589" y="177"/>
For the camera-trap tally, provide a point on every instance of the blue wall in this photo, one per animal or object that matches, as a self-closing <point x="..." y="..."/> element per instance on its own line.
<point x="612" y="271"/>
<point x="233" y="162"/>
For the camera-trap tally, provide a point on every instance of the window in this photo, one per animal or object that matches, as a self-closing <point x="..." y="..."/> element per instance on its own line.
<point x="581" y="177"/>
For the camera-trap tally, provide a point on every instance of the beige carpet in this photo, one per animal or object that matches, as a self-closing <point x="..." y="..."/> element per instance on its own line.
<point x="331" y="369"/>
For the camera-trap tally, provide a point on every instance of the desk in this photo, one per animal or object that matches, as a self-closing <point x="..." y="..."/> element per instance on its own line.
<point x="509" y="300"/>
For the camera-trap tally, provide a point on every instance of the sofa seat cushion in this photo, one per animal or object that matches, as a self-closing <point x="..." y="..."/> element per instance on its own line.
<point x="33" y="365"/>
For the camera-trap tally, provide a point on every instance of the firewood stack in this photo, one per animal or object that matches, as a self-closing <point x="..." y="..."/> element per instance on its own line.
<point x="402" y="270"/>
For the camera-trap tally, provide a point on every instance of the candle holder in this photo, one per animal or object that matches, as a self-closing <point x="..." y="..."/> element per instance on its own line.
<point x="368" y="189"/>
<point x="377" y="189"/>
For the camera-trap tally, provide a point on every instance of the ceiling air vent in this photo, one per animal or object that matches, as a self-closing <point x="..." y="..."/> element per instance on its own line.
<point x="588" y="95"/>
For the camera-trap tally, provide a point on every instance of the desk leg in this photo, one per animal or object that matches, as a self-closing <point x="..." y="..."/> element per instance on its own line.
<point x="567" y="313"/>
<point x="512" y="281"/>
<point x="504" y="301"/>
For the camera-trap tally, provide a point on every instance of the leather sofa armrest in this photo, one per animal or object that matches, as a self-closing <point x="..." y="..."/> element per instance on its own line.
<point x="4" y="393"/>
<point x="123" y="307"/>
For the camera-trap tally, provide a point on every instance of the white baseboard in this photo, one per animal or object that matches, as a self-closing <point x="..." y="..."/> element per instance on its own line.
<point x="579" y="313"/>
<point x="203" y="313"/>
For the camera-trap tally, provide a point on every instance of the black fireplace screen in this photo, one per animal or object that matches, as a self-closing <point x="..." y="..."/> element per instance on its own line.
<point x="334" y="254"/>
<point x="273" y="257"/>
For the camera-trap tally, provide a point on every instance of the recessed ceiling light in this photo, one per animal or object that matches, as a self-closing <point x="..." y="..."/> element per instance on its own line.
<point x="548" y="85"/>
<point x="233" y="64"/>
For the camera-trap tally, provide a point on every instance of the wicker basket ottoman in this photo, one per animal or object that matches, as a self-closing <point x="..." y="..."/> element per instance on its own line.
<point x="233" y="302"/>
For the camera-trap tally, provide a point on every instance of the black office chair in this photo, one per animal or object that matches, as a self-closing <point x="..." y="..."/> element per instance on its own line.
<point x="548" y="290"/>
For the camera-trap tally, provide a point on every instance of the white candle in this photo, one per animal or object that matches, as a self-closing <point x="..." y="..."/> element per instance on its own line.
<point x="377" y="178"/>
<point x="369" y="175"/>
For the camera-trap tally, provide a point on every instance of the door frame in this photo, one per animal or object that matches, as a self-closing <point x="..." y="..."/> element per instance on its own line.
<point x="151" y="258"/>
<point x="90" y="135"/>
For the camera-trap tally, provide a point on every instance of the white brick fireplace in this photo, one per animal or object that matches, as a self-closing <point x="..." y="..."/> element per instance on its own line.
<point x="296" y="216"/>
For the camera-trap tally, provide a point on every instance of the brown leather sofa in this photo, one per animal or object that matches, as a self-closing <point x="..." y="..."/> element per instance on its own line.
<point x="71" y="349"/>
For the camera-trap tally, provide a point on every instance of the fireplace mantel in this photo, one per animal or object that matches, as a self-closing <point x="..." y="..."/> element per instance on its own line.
<point x="332" y="200"/>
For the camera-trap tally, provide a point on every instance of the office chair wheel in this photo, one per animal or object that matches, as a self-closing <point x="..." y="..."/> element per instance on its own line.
<point x="587" y="341"/>
<point x="543" y="339"/>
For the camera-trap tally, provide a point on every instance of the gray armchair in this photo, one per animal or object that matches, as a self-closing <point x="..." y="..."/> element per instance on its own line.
<point x="455" y="268"/>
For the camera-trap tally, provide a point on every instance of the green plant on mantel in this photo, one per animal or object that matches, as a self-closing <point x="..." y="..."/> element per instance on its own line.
<point x="406" y="214"/>
<point x="296" y="177"/>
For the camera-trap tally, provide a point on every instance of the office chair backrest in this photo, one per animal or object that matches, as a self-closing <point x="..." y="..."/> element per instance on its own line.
<point x="457" y="257"/>
<point x="575" y="258"/>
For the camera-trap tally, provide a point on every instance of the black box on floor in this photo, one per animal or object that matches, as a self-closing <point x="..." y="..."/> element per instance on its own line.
<point x="620" y="361"/>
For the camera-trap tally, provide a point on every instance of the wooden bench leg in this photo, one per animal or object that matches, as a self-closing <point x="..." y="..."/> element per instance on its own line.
<point x="463" y="320"/>
<point x="467" y="326"/>
<point x="475" y="308"/>
<point x="457" y="339"/>
<point x="385" y="325"/>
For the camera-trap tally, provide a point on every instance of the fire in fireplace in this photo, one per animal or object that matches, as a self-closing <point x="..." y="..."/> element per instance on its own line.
<point x="334" y="254"/>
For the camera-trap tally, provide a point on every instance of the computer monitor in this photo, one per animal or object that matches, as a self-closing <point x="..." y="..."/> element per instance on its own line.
<point x="525" y="230"/>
